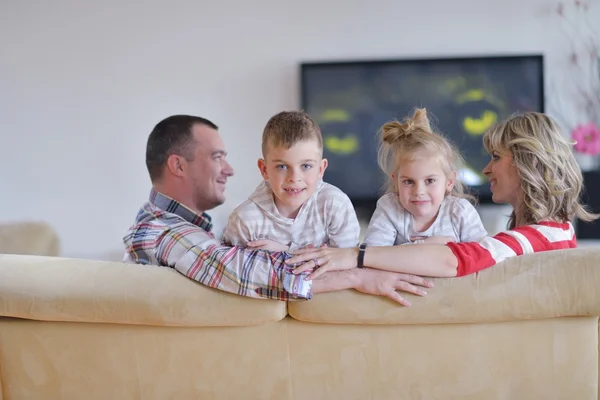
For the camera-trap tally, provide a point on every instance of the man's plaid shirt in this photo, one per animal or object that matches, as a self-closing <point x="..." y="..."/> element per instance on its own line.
<point x="167" y="233"/>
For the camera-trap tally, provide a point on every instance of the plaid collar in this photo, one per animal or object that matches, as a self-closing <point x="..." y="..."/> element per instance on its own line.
<point x="168" y="204"/>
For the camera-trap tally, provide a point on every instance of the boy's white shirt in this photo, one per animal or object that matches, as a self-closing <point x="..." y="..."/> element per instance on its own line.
<point x="391" y="224"/>
<point x="327" y="217"/>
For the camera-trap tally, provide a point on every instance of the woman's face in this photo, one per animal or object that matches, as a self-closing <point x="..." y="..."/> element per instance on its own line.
<point x="505" y="182"/>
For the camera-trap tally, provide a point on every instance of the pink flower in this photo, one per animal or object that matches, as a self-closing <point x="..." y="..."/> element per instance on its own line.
<point x="587" y="137"/>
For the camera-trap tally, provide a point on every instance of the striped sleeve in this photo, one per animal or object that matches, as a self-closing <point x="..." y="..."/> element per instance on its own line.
<point x="476" y="256"/>
<point x="246" y="272"/>
<point x="382" y="230"/>
<point x="236" y="232"/>
<point x="343" y="228"/>
<point x="467" y="221"/>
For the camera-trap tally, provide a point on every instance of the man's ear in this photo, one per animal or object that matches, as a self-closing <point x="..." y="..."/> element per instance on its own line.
<point x="322" y="167"/>
<point x="262" y="167"/>
<point x="450" y="182"/>
<point x="176" y="165"/>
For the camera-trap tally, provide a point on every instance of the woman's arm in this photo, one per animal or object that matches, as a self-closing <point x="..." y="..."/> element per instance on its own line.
<point x="425" y="259"/>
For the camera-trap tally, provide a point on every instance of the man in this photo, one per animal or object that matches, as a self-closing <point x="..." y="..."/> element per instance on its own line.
<point x="188" y="167"/>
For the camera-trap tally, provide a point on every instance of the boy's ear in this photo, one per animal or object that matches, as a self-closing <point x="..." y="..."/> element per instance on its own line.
<point x="262" y="167"/>
<point x="450" y="183"/>
<point x="322" y="167"/>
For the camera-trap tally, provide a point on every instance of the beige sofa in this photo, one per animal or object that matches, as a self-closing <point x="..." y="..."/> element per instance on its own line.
<point x="75" y="329"/>
<point x="36" y="238"/>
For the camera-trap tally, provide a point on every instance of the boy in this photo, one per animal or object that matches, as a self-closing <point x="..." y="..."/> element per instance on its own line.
<point x="293" y="208"/>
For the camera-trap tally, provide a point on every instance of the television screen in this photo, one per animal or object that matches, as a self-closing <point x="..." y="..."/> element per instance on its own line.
<point x="465" y="96"/>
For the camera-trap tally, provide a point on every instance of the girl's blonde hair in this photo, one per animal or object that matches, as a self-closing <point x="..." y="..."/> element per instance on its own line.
<point x="551" y="178"/>
<point x="411" y="138"/>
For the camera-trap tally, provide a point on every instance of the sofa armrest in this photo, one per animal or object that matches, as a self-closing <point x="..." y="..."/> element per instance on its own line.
<point x="62" y="289"/>
<point x="29" y="238"/>
<point x="561" y="283"/>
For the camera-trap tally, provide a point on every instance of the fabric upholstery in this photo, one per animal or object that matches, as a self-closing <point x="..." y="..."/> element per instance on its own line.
<point x="72" y="329"/>
<point x="542" y="285"/>
<point x="29" y="238"/>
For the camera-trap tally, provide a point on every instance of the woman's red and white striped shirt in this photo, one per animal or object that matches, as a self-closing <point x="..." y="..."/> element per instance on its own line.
<point x="543" y="236"/>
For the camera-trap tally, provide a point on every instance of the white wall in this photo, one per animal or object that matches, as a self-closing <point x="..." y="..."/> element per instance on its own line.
<point x="82" y="85"/>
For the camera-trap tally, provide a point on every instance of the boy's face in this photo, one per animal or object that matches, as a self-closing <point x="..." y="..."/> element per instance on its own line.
<point x="293" y="174"/>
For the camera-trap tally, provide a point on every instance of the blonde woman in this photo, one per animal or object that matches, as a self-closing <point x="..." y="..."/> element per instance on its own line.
<point x="532" y="168"/>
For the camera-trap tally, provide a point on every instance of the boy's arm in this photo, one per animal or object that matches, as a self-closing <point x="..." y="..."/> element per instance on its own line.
<point x="343" y="229"/>
<point x="237" y="232"/>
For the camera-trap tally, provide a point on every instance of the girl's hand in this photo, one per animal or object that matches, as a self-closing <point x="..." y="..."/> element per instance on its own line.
<point x="266" y="244"/>
<point x="323" y="259"/>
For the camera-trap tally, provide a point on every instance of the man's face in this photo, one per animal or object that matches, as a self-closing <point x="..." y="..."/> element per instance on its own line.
<point x="207" y="173"/>
<point x="293" y="174"/>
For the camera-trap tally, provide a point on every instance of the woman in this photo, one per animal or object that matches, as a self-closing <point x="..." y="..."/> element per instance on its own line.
<point x="532" y="168"/>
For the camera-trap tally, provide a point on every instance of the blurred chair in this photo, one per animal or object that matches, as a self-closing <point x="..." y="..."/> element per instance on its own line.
<point x="29" y="238"/>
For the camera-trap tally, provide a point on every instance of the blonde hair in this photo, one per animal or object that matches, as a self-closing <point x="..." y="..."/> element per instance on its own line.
<point x="406" y="140"/>
<point x="288" y="128"/>
<point x="551" y="178"/>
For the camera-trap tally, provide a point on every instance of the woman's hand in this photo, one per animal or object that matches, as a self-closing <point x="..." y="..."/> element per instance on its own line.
<point x="266" y="244"/>
<point x="323" y="259"/>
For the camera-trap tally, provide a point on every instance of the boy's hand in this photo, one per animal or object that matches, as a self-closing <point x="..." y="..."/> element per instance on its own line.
<point x="267" y="244"/>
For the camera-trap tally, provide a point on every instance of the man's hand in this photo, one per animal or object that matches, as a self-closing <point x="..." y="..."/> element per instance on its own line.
<point x="267" y="244"/>
<point x="384" y="283"/>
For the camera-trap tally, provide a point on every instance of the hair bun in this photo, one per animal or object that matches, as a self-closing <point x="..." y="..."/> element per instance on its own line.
<point x="420" y="120"/>
<point x="395" y="130"/>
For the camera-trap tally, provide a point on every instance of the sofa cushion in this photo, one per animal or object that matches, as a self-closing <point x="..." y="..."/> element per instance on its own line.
<point x="62" y="289"/>
<point x="535" y="286"/>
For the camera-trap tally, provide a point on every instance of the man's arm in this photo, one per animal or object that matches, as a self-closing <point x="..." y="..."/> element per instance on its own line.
<point x="246" y="272"/>
<point x="254" y="273"/>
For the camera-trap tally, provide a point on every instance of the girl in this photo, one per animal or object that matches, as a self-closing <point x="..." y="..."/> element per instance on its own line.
<point x="532" y="168"/>
<point x="425" y="202"/>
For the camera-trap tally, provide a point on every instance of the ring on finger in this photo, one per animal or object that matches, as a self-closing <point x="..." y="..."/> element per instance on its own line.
<point x="316" y="261"/>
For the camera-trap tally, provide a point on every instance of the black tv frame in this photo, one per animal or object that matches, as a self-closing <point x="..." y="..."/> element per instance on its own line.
<point x="368" y="204"/>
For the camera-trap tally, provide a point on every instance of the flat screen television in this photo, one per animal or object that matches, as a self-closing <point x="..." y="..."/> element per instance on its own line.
<point x="351" y="100"/>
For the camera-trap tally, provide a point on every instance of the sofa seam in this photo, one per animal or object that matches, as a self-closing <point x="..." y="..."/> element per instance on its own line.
<point x="289" y="360"/>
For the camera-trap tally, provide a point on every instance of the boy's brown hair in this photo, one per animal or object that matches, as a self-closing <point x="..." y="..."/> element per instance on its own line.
<point x="288" y="128"/>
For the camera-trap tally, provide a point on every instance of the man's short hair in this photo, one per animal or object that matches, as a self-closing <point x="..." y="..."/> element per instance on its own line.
<point x="172" y="135"/>
<point x="288" y="128"/>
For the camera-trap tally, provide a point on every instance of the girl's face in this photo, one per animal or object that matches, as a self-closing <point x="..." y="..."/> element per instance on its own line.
<point x="422" y="186"/>
<point x="505" y="182"/>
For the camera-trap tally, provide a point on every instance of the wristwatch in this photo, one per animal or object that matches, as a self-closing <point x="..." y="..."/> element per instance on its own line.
<point x="361" y="255"/>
